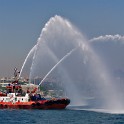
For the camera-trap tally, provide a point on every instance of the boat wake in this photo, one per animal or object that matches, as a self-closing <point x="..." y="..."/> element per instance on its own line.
<point x="84" y="108"/>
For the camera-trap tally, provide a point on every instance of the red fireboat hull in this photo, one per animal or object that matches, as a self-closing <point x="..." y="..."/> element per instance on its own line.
<point x="41" y="104"/>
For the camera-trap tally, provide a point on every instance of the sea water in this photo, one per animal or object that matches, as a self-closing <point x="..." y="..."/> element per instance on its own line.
<point x="66" y="116"/>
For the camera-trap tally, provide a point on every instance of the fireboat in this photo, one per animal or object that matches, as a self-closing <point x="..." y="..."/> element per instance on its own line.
<point x="16" y="98"/>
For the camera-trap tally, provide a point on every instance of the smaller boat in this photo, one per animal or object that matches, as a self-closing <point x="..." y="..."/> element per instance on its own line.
<point x="16" y="98"/>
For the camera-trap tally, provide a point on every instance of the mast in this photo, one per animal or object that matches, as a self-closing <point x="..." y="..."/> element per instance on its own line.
<point x="16" y="72"/>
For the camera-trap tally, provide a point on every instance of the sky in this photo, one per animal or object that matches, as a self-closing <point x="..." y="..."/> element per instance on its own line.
<point x="21" y="22"/>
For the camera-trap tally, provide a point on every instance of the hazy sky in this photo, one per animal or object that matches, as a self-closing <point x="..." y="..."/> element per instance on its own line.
<point x="21" y="22"/>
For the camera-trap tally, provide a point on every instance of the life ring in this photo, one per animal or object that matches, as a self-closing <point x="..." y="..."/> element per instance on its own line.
<point x="38" y="104"/>
<point x="1" y="105"/>
<point x="6" y="106"/>
<point x="33" y="105"/>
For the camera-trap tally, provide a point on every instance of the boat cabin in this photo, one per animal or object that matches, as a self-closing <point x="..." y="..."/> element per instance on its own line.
<point x="13" y="88"/>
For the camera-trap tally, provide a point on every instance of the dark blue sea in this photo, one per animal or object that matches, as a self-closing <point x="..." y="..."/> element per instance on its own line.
<point x="66" y="116"/>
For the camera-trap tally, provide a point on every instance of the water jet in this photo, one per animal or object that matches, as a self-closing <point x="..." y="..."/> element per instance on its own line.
<point x="83" y="71"/>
